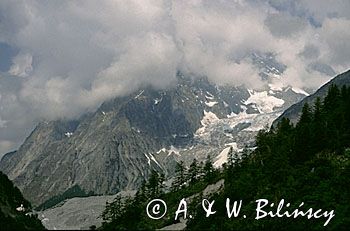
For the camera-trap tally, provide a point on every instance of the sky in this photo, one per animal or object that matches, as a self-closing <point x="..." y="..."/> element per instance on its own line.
<point x="60" y="59"/>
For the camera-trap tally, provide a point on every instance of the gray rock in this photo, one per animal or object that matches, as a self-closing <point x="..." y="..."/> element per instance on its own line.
<point x="77" y="213"/>
<point x="116" y="147"/>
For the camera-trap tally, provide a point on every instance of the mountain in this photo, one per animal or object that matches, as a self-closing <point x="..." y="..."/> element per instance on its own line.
<point x="293" y="113"/>
<point x="297" y="177"/>
<point x="116" y="147"/>
<point x="306" y="165"/>
<point x="11" y="201"/>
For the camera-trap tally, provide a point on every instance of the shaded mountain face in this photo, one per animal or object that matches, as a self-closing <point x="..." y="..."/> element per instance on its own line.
<point x="116" y="147"/>
<point x="11" y="205"/>
<point x="294" y="112"/>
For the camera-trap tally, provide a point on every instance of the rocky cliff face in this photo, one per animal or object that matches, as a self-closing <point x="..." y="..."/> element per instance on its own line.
<point x="117" y="146"/>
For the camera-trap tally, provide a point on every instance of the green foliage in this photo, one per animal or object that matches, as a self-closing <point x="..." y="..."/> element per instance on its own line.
<point x="130" y="213"/>
<point x="155" y="184"/>
<point x="308" y="162"/>
<point x="10" y="199"/>
<point x="193" y="172"/>
<point x="179" y="178"/>
<point x="209" y="172"/>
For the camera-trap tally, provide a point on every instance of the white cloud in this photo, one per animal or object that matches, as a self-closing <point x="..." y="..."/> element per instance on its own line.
<point x="76" y="54"/>
<point x="22" y="65"/>
<point x="6" y="146"/>
<point x="148" y="60"/>
<point x="2" y="123"/>
<point x="336" y="34"/>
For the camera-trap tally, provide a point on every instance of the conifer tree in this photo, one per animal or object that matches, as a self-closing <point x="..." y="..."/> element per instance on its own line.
<point x="208" y="169"/>
<point x="318" y="132"/>
<point x="155" y="183"/>
<point x="179" y="178"/>
<point x="231" y="158"/>
<point x="193" y="171"/>
<point x="302" y="138"/>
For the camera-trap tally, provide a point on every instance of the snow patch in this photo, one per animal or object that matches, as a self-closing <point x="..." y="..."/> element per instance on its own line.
<point x="231" y="115"/>
<point x="141" y="92"/>
<point x="208" y="118"/>
<point x="154" y="159"/>
<point x="161" y="150"/>
<point x="276" y="86"/>
<point x="209" y="95"/>
<point x="156" y="101"/>
<point x="148" y="159"/>
<point x="68" y="134"/>
<point x="210" y="104"/>
<point x="171" y="150"/>
<point x="265" y="103"/>
<point x="223" y="156"/>
<point x="300" y="91"/>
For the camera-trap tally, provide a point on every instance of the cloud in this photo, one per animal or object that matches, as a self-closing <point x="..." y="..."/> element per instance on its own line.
<point x="22" y="65"/>
<point x="6" y="146"/>
<point x="148" y="60"/>
<point x="284" y="25"/>
<point x="310" y="52"/>
<point x="2" y="123"/>
<point x="322" y="10"/>
<point x="76" y="54"/>
<point x="336" y="34"/>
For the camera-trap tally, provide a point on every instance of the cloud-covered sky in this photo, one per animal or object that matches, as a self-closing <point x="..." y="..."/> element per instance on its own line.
<point x="59" y="59"/>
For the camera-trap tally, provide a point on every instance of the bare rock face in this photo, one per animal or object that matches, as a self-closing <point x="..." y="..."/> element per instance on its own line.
<point x="109" y="150"/>
<point x="116" y="147"/>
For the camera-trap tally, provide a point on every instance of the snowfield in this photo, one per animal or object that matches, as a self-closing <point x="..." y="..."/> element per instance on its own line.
<point x="265" y="103"/>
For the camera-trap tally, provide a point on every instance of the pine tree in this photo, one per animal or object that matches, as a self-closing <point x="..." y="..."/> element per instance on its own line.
<point x="179" y="178"/>
<point x="142" y="194"/>
<point x="233" y="163"/>
<point x="245" y="153"/>
<point x="193" y="171"/>
<point x="231" y="158"/>
<point x="318" y="131"/>
<point x="114" y="210"/>
<point x="332" y="99"/>
<point x="209" y="170"/>
<point x="305" y="116"/>
<point x="303" y="134"/>
<point x="284" y="128"/>
<point x="346" y="136"/>
<point x="155" y="184"/>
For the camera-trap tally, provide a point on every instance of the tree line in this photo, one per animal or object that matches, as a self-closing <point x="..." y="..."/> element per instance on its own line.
<point x="304" y="162"/>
